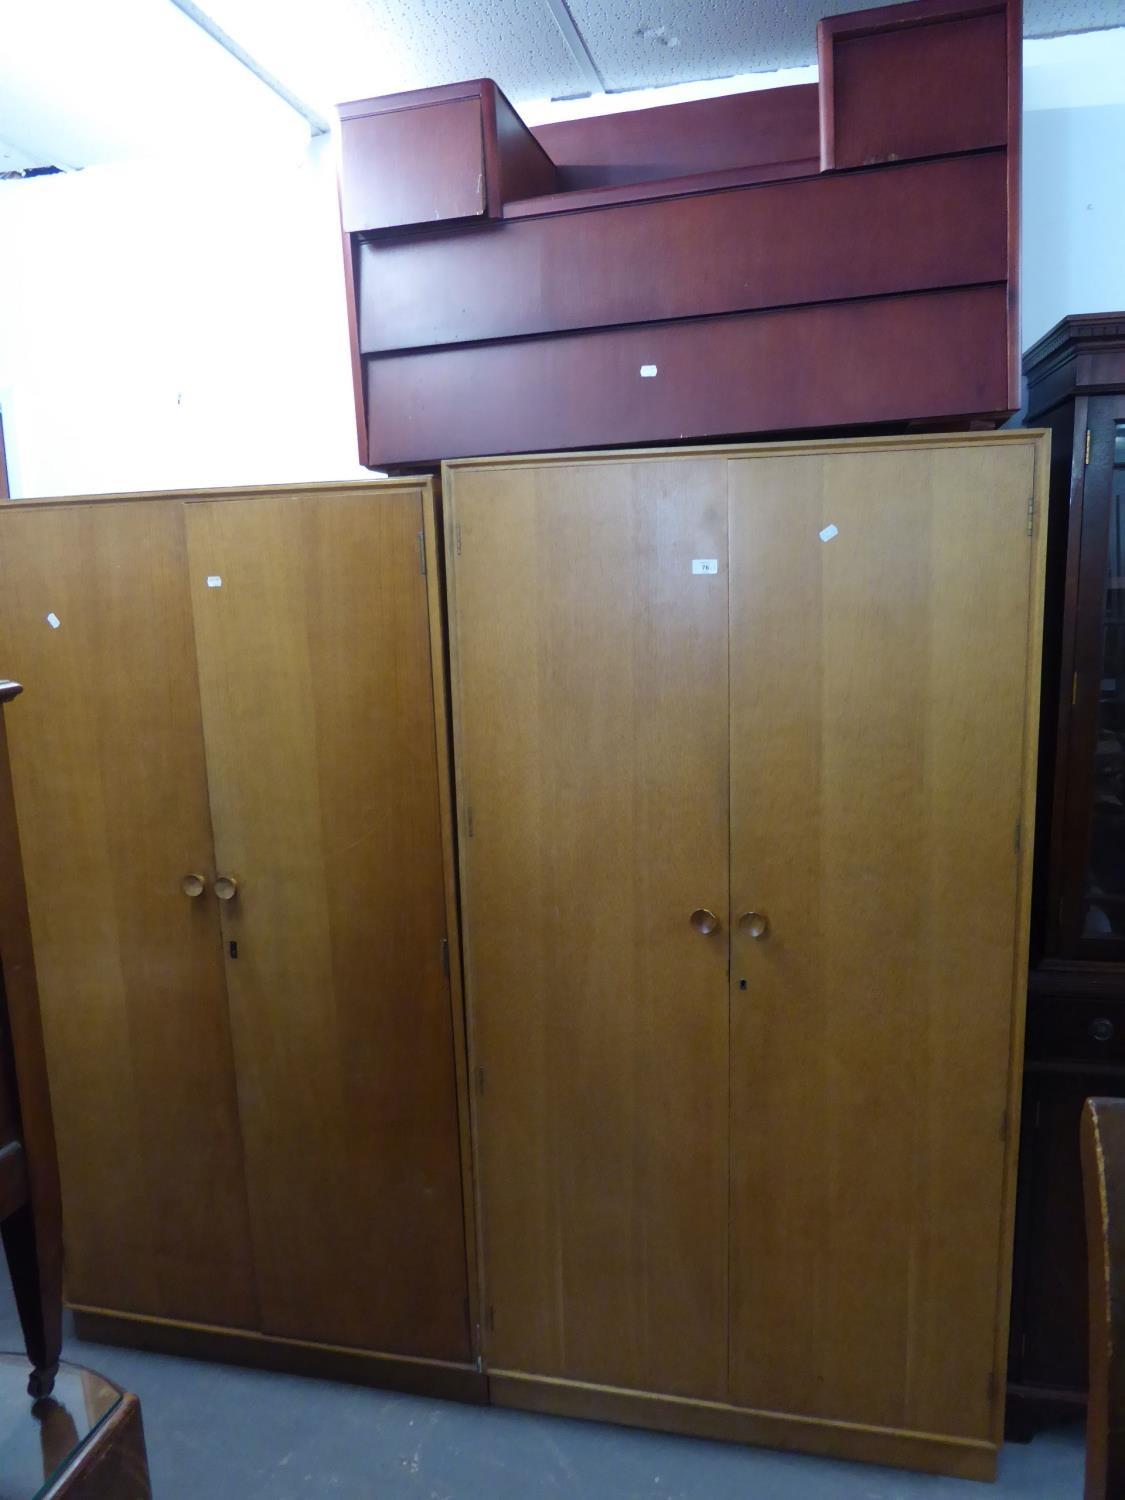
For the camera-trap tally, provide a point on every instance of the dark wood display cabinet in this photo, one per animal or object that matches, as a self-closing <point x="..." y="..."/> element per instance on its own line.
<point x="1076" y="1000"/>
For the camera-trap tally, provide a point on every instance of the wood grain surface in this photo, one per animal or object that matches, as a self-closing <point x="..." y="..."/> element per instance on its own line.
<point x="317" y="693"/>
<point x="111" y="794"/>
<point x="591" y="730"/>
<point x="879" y="619"/>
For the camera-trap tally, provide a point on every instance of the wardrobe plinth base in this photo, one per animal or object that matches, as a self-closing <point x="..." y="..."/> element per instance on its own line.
<point x="926" y="1452"/>
<point x="447" y="1381"/>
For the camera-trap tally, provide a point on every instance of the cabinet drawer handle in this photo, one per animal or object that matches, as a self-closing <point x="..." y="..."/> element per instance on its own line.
<point x="756" y="923"/>
<point x="192" y="885"/>
<point x="704" y="921"/>
<point x="1102" y="1030"/>
<point x="226" y="887"/>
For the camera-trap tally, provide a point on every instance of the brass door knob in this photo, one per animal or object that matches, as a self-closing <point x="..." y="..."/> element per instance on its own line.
<point x="226" y="887"/>
<point x="193" y="885"/>
<point x="756" y="923"/>
<point x="704" y="921"/>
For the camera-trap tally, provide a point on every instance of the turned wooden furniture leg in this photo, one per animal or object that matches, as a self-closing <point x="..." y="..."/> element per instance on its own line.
<point x="1103" y="1178"/>
<point x="37" y="1284"/>
<point x="30" y="1206"/>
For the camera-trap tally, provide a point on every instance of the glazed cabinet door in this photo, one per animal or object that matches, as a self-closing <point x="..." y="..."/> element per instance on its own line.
<point x="1089" y="852"/>
<point x="111" y="793"/>
<point x="318" y="691"/>
<point x="589" y="635"/>
<point x="883" y="702"/>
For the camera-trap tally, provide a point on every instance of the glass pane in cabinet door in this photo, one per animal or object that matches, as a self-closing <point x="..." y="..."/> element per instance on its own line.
<point x="1104" y="895"/>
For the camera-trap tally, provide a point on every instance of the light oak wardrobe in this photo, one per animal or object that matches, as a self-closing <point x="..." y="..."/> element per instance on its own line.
<point x="745" y="748"/>
<point x="231" y="780"/>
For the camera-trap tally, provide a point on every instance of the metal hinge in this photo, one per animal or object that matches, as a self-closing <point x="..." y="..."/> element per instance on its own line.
<point x="1087" y="445"/>
<point x="421" y="554"/>
<point x="445" y="957"/>
<point x="1031" y="515"/>
<point x="457" y="537"/>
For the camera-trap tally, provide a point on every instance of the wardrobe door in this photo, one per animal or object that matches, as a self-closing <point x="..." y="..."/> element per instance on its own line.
<point x="111" y="794"/>
<point x="883" y="687"/>
<point x="589" y="630"/>
<point x="312" y="624"/>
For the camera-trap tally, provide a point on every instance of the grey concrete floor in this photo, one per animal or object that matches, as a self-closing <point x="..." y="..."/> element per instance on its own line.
<point x="217" y="1433"/>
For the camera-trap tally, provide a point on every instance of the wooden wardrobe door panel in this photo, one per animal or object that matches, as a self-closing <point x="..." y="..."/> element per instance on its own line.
<point x="881" y="607"/>
<point x="312" y="625"/>
<point x="107" y="760"/>
<point x="591" y="709"/>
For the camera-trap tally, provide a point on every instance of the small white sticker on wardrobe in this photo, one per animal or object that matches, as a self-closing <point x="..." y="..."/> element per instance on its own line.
<point x="647" y="372"/>
<point x="707" y="565"/>
<point x="829" y="532"/>
<point x="214" y="581"/>
<point x="53" y="620"/>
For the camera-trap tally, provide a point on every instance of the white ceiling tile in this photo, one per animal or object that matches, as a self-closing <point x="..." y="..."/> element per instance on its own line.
<point x="516" y="42"/>
<point x="644" y="43"/>
<point x="82" y="83"/>
<point x="328" y="51"/>
<point x="1057" y="17"/>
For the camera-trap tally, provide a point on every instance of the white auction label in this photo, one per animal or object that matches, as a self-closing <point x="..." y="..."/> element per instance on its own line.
<point x="705" y="565"/>
<point x="214" y="581"/>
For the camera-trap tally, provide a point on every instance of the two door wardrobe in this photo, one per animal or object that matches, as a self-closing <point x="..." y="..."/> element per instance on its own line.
<point x="745" y="755"/>
<point x="232" y="789"/>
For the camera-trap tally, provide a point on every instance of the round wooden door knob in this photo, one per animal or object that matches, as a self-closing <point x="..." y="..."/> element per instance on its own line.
<point x="192" y="885"/>
<point x="756" y="923"/>
<point x="226" y="887"/>
<point x="704" y="921"/>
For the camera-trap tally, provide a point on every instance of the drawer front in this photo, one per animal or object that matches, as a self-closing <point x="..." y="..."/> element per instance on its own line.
<point x="773" y="245"/>
<point x="891" y="359"/>
<point x="1064" y="1028"/>
<point x="412" y="166"/>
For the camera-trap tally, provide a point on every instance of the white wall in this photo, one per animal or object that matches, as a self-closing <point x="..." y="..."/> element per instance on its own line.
<point x="175" y="327"/>
<point x="185" y="325"/>
<point x="1073" y="236"/>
